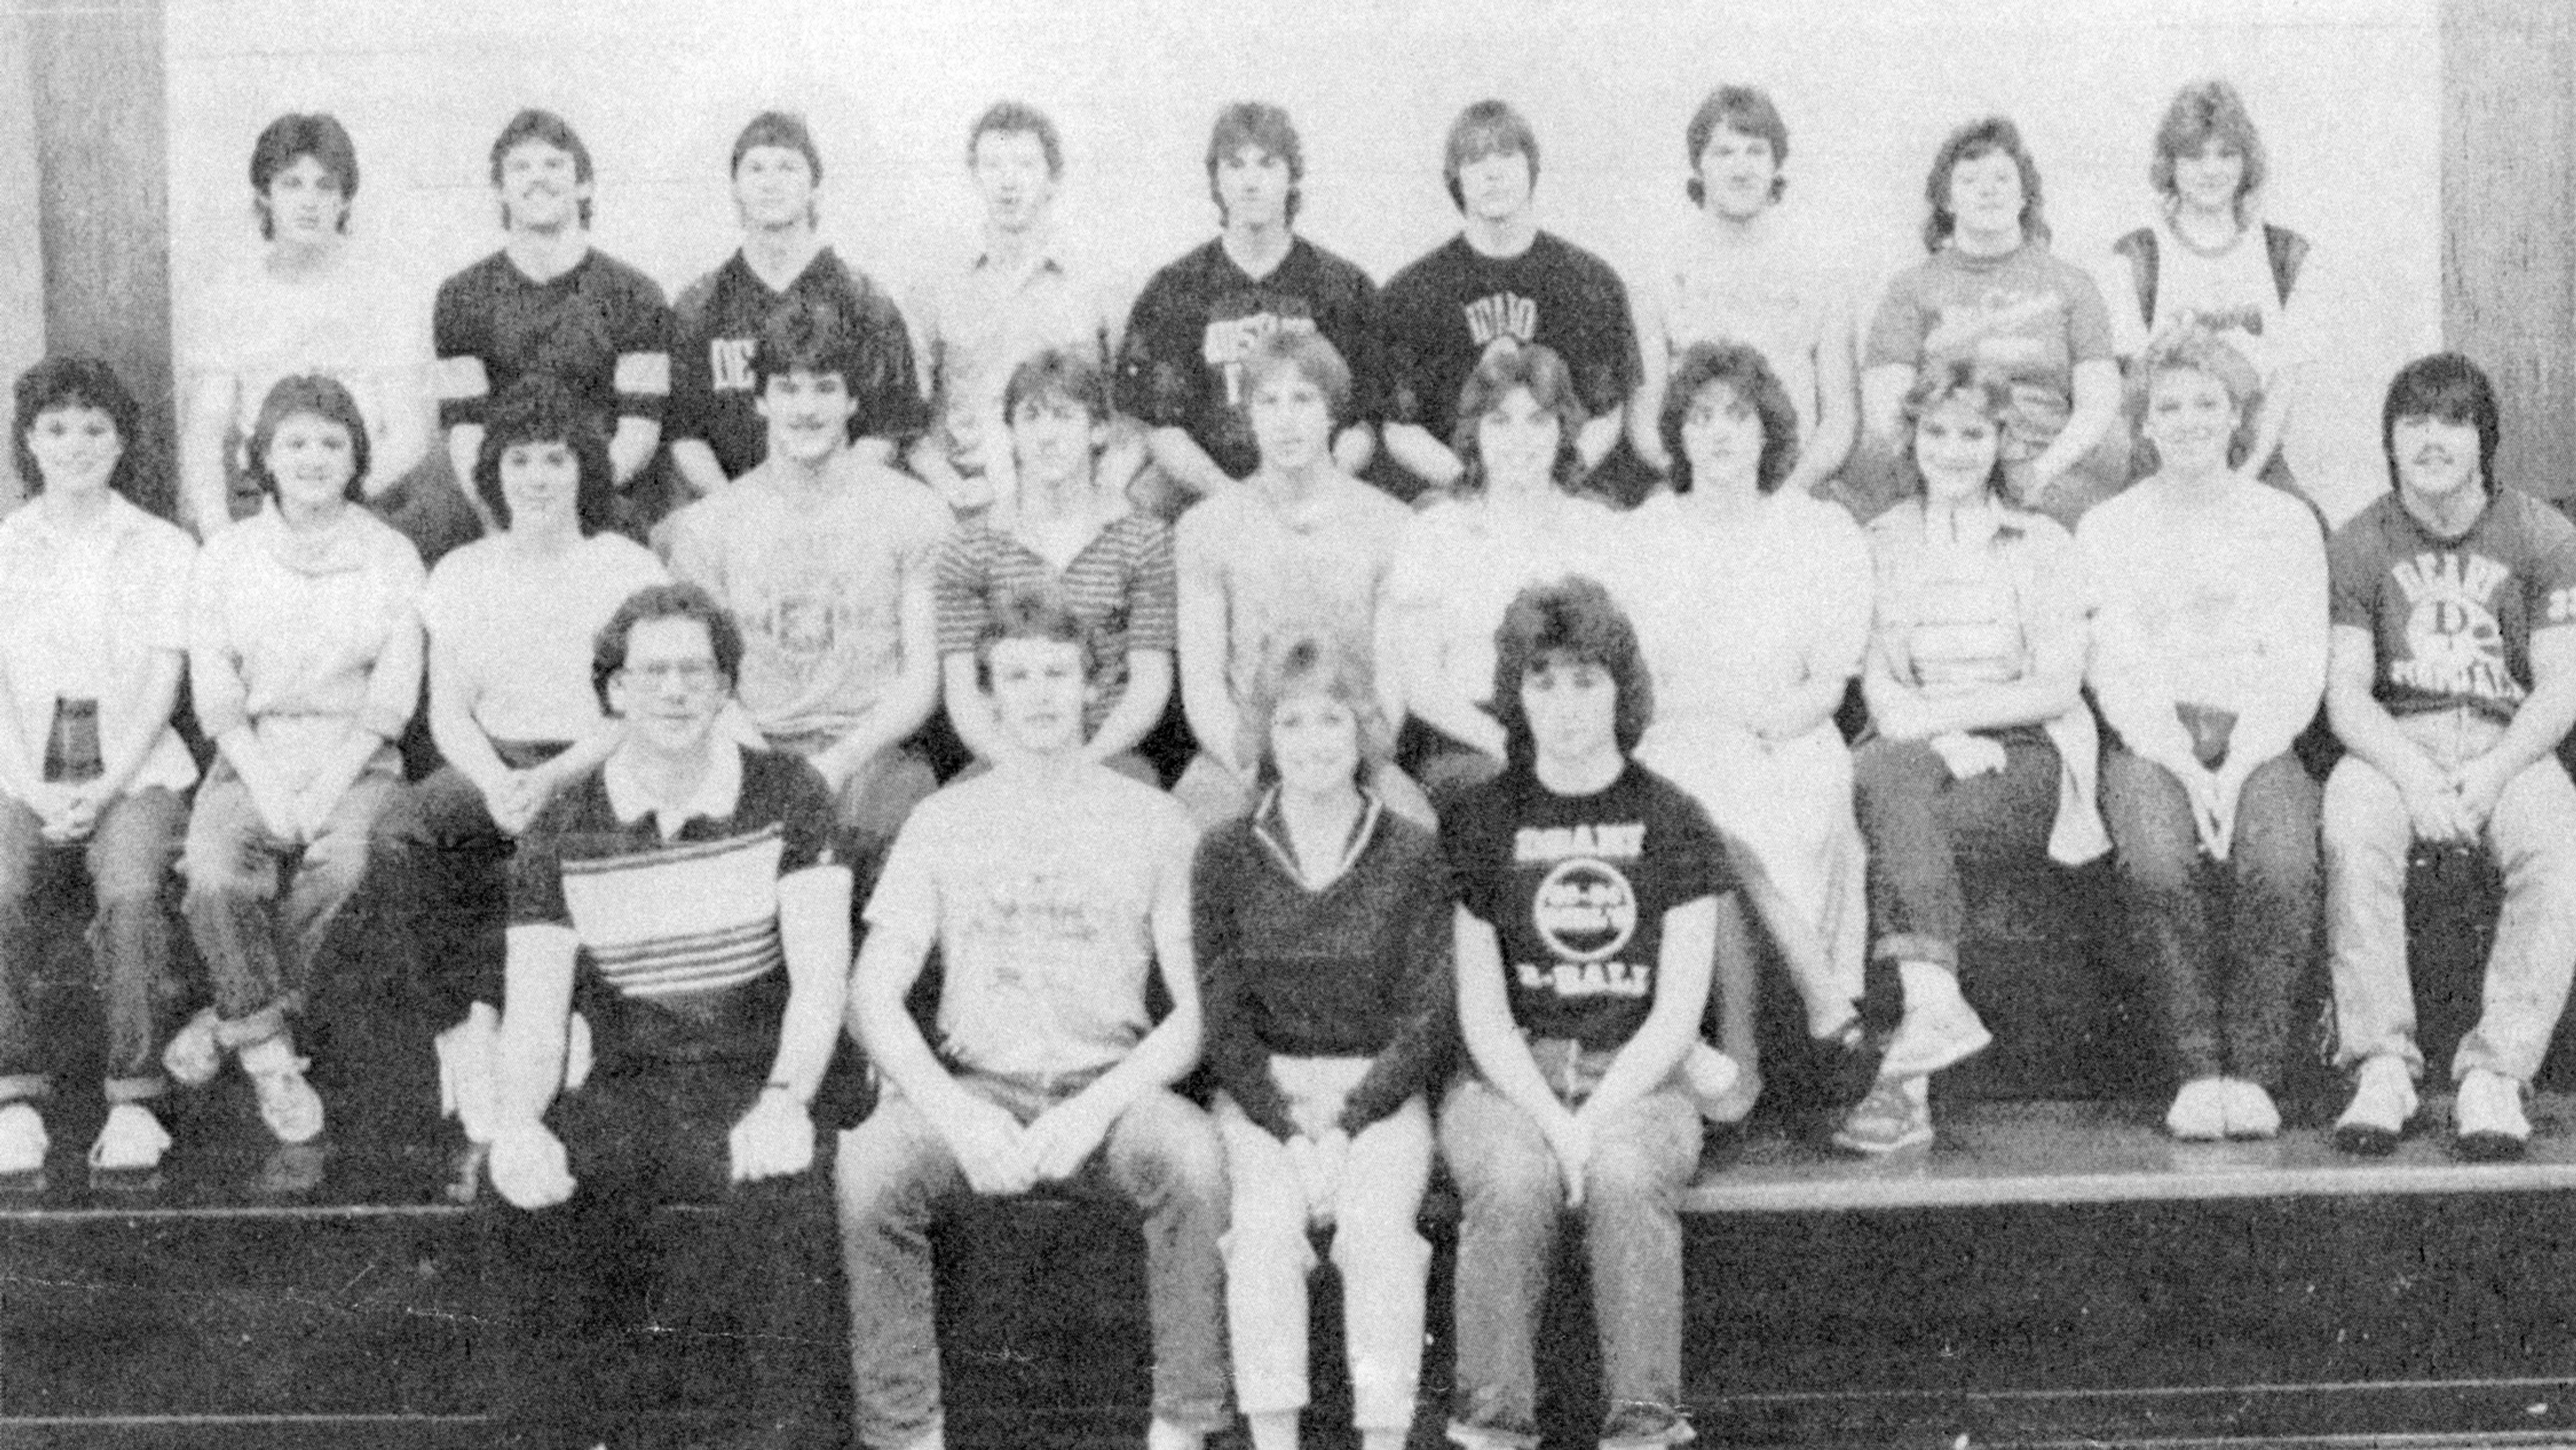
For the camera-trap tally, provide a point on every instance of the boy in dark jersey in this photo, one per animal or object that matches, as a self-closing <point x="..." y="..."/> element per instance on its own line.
<point x="683" y="897"/>
<point x="2452" y="680"/>
<point x="1180" y="368"/>
<point x="549" y="302"/>
<point x="717" y="434"/>
<point x="1587" y="926"/>
<point x="1499" y="283"/>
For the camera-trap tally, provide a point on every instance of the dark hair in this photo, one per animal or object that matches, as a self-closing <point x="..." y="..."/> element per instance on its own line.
<point x="1308" y="663"/>
<point x="1018" y="117"/>
<point x="2190" y="348"/>
<point x="317" y="134"/>
<point x="784" y="129"/>
<point x="1958" y="379"/>
<point x="1487" y="128"/>
<point x="79" y="382"/>
<point x="1742" y="369"/>
<point x="325" y="398"/>
<point x="2449" y="387"/>
<point x="1035" y="610"/>
<point x="1575" y="618"/>
<point x="1971" y="141"/>
<point x="1744" y="109"/>
<point x="545" y="128"/>
<point x="804" y="334"/>
<point x="1536" y="367"/>
<point x="1264" y="126"/>
<point x="538" y="408"/>
<point x="1310" y="355"/>
<point x="2202" y="112"/>
<point x="664" y="601"/>
<point x="1058" y="372"/>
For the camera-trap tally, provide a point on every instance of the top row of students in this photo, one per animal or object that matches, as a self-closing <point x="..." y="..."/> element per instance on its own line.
<point x="1989" y="291"/>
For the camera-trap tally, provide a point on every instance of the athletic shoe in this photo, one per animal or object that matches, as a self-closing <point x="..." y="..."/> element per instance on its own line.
<point x="287" y="1103"/>
<point x="132" y="1140"/>
<point x="1939" y="1029"/>
<point x="1851" y="1058"/>
<point x="2199" y="1111"/>
<point x="2248" y="1109"/>
<point x="2487" y="1115"/>
<point x="192" y="1056"/>
<point x="1709" y="1076"/>
<point x="2383" y="1102"/>
<point x="1896" y="1115"/>
<point x="22" y="1138"/>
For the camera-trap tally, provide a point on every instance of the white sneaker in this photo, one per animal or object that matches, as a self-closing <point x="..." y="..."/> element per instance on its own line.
<point x="2383" y="1103"/>
<point x="287" y="1103"/>
<point x="131" y="1140"/>
<point x="2488" y="1118"/>
<point x="2249" y="1110"/>
<point x="2199" y="1111"/>
<point x="22" y="1138"/>
<point x="192" y="1056"/>
<point x="1939" y="1028"/>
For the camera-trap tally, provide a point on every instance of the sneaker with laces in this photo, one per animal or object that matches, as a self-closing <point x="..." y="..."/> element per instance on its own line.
<point x="1896" y="1115"/>
<point x="2249" y="1110"/>
<point x="131" y="1141"/>
<point x="2383" y="1102"/>
<point x="22" y="1138"/>
<point x="1850" y="1057"/>
<point x="192" y="1056"/>
<point x="287" y="1103"/>
<point x="1939" y="1028"/>
<point x="2488" y="1117"/>
<point x="2199" y="1111"/>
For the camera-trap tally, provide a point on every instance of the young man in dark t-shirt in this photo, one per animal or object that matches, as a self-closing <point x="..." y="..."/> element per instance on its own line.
<point x="1501" y="282"/>
<point x="2452" y="681"/>
<point x="717" y="432"/>
<point x="682" y="899"/>
<point x="1587" y="926"/>
<point x="549" y="302"/>
<point x="1180" y="367"/>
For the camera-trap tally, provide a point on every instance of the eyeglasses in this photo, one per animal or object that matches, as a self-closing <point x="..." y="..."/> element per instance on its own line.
<point x="694" y="674"/>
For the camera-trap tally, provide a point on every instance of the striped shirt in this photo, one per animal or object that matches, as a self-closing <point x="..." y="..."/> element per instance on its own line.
<point x="680" y="954"/>
<point x="1121" y="584"/>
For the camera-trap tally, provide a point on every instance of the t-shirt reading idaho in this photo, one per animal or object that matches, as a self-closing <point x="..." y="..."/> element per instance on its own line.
<point x="1576" y="888"/>
<point x="2451" y="619"/>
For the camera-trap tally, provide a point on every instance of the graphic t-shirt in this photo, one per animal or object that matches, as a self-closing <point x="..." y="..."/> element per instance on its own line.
<point x="816" y="583"/>
<point x="600" y="329"/>
<point x="2451" y="619"/>
<point x="2231" y="292"/>
<point x="1181" y="365"/>
<point x="1576" y="888"/>
<point x="2025" y="314"/>
<point x="1441" y="315"/>
<point x="719" y="321"/>
<point x="1042" y="904"/>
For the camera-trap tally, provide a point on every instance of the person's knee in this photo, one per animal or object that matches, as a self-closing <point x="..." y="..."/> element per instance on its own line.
<point x="888" y="1167"/>
<point x="1632" y="1173"/>
<point x="1166" y="1149"/>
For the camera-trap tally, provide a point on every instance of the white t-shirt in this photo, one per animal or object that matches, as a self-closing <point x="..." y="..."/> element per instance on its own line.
<point x="82" y="615"/>
<point x="1459" y="564"/>
<point x="1775" y="295"/>
<point x="358" y="323"/>
<point x="1317" y="568"/>
<point x="521" y="628"/>
<point x="2231" y="292"/>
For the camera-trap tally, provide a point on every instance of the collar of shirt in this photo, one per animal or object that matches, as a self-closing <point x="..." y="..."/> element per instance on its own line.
<point x="1043" y="256"/>
<point x="719" y="790"/>
<point x="1270" y="827"/>
<point x="120" y="519"/>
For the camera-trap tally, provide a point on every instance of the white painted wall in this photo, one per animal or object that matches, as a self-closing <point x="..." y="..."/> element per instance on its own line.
<point x="2347" y="93"/>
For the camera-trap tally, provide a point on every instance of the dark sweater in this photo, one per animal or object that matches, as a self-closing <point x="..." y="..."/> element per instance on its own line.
<point x="1358" y="969"/>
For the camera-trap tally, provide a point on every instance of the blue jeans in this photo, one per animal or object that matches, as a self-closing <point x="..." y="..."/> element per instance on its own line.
<point x="1513" y="1202"/>
<point x="128" y="857"/>
<point x="1920" y="820"/>
<point x="894" y="1173"/>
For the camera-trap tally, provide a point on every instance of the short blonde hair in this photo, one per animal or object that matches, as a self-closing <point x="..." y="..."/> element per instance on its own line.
<point x="1309" y="664"/>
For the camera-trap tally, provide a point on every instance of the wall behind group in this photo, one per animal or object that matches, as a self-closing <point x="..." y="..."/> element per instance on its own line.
<point x="2347" y="92"/>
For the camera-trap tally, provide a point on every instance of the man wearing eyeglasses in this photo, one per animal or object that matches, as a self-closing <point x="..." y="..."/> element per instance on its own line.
<point x="824" y="559"/>
<point x="683" y="896"/>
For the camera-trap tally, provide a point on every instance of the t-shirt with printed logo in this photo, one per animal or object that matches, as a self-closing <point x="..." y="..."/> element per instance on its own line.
<point x="1441" y="315"/>
<point x="1181" y="365"/>
<point x="2025" y="314"/>
<point x="2451" y="619"/>
<point x="717" y="327"/>
<point x="1576" y="888"/>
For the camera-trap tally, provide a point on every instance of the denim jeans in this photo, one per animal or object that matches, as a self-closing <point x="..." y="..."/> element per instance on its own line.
<point x="1920" y="820"/>
<point x="128" y="856"/>
<point x="2532" y="835"/>
<point x="1384" y="1261"/>
<point x="893" y="1175"/>
<point x="2225" y="995"/>
<point x="260" y="952"/>
<point x="1513" y="1202"/>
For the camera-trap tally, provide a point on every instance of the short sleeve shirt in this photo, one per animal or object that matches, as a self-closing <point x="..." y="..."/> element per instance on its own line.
<point x="1440" y="316"/>
<point x="2451" y="620"/>
<point x="85" y="613"/>
<point x="719" y="319"/>
<point x="357" y="324"/>
<point x="600" y="328"/>
<point x="520" y="629"/>
<point x="1120" y="584"/>
<point x="1320" y="572"/>
<point x="1576" y="889"/>
<point x="2025" y="314"/>
<point x="1181" y="365"/>
<point x="978" y="321"/>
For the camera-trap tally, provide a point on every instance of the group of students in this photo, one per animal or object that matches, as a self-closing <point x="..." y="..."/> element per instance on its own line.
<point x="1512" y="769"/>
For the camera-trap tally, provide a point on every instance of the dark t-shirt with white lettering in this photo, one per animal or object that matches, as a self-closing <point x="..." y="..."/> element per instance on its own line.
<point x="1441" y="315"/>
<point x="2451" y="619"/>
<point x="1576" y="888"/>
